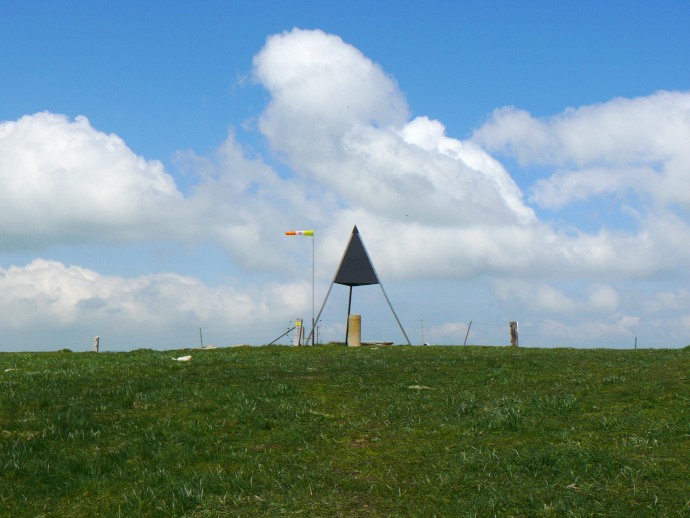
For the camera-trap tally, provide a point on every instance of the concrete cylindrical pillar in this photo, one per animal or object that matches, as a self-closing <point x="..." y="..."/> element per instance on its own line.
<point x="354" y="337"/>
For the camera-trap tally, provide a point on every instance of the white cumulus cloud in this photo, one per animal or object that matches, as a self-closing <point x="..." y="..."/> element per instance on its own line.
<point x="52" y="295"/>
<point x="639" y="144"/>
<point x="63" y="180"/>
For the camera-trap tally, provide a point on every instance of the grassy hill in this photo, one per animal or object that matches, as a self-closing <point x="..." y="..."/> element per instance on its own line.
<point x="332" y="431"/>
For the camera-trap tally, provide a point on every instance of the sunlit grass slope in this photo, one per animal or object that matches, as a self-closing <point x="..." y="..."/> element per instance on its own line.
<point x="332" y="431"/>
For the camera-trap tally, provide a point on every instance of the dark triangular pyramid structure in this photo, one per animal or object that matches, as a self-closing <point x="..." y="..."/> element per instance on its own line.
<point x="356" y="269"/>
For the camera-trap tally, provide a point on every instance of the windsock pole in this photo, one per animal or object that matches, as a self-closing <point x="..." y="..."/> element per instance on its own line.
<point x="311" y="234"/>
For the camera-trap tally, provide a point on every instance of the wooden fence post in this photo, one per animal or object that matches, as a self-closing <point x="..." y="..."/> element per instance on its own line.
<point x="514" y="334"/>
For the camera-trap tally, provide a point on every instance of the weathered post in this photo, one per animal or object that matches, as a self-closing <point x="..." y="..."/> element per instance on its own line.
<point x="354" y="337"/>
<point x="298" y="332"/>
<point x="514" y="334"/>
<point x="96" y="341"/>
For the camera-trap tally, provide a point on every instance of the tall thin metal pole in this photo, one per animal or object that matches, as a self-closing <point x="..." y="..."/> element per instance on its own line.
<point x="313" y="322"/>
<point x="318" y="316"/>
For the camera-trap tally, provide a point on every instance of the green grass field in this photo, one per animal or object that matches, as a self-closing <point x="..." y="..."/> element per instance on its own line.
<point x="332" y="431"/>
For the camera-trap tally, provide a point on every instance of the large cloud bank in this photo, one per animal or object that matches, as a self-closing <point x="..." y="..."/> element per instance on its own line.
<point x="433" y="206"/>
<point x="141" y="310"/>
<point x="624" y="145"/>
<point x="63" y="180"/>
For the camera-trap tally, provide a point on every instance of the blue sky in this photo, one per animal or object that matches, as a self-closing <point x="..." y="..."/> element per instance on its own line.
<point x="502" y="160"/>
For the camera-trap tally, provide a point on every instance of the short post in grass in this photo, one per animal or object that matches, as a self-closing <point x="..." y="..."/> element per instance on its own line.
<point x="96" y="342"/>
<point x="354" y="336"/>
<point x="299" y="330"/>
<point x="514" y="334"/>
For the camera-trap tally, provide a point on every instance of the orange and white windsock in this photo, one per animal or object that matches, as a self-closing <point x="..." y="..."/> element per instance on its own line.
<point x="299" y="233"/>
